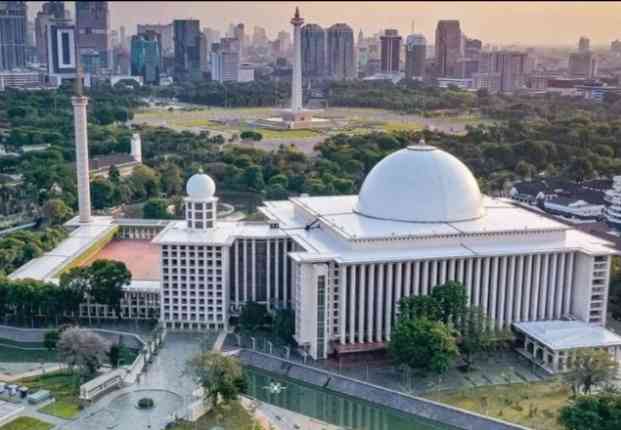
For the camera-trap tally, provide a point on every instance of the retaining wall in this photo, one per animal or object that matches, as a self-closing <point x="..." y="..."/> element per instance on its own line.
<point x="443" y="414"/>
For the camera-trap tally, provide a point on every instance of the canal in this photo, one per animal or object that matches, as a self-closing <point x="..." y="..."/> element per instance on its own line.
<point x="332" y="407"/>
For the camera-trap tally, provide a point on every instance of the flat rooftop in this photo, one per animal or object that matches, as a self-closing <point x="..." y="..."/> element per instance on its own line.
<point x="560" y="335"/>
<point x="141" y="257"/>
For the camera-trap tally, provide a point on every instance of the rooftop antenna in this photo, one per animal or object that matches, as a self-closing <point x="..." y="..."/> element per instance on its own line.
<point x="412" y="26"/>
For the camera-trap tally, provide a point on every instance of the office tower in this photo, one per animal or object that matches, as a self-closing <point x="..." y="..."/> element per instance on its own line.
<point x="284" y="39"/>
<point x="52" y="12"/>
<point x="415" y="55"/>
<point x="340" y="58"/>
<point x="472" y="48"/>
<point x="239" y="33"/>
<point x="584" y="44"/>
<point x="13" y="29"/>
<point x="61" y="49"/>
<point x="390" y="51"/>
<point x="259" y="36"/>
<point x="224" y="60"/>
<point x="449" y="48"/>
<point x="187" y="50"/>
<point x="166" y="33"/>
<point x="313" y="51"/>
<point x="501" y="71"/>
<point x="93" y="28"/>
<point x="615" y="46"/>
<point x="360" y="38"/>
<point x="582" y="64"/>
<point x="146" y="57"/>
<point x="211" y="36"/>
<point x="122" y="37"/>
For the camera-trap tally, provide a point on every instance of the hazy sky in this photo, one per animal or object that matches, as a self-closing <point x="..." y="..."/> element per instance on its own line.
<point x="529" y="23"/>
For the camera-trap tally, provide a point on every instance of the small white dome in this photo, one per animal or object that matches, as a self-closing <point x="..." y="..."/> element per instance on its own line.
<point x="201" y="186"/>
<point x="421" y="184"/>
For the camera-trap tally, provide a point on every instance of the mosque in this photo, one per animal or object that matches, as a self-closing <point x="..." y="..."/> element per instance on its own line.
<point x="343" y="263"/>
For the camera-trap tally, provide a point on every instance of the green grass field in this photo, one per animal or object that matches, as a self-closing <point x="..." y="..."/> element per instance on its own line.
<point x="63" y="388"/>
<point x="229" y="417"/>
<point x="27" y="423"/>
<point x="535" y="405"/>
<point x="14" y="355"/>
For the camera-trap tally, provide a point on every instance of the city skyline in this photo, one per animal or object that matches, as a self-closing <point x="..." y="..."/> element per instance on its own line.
<point x="486" y="21"/>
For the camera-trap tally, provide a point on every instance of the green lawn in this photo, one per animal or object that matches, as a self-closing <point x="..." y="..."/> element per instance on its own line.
<point x="13" y="355"/>
<point x="63" y="388"/>
<point x="229" y="417"/>
<point x="27" y="423"/>
<point x="535" y="405"/>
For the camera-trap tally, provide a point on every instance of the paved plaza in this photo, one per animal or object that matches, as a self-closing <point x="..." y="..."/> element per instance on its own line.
<point x="141" y="257"/>
<point x="8" y="410"/>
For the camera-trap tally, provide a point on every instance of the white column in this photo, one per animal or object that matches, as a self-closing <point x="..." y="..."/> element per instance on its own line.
<point x="552" y="287"/>
<point x="342" y="302"/>
<point x="236" y="268"/>
<point x="560" y="286"/>
<point x="460" y="270"/>
<point x="253" y="250"/>
<point x="570" y="284"/>
<point x="245" y="274"/>
<point x="352" y="304"/>
<point x="268" y="274"/>
<point x="276" y="266"/>
<point x="285" y="284"/>
<point x="416" y="278"/>
<point x="389" y="298"/>
<point x="80" y="123"/>
<point x="398" y="286"/>
<point x="468" y="262"/>
<point x="535" y="289"/>
<point x="443" y="265"/>
<point x="371" y="303"/>
<point x="509" y="313"/>
<point x="477" y="282"/>
<point x="362" y="315"/>
<point x="485" y="286"/>
<point x="425" y="287"/>
<point x="502" y="292"/>
<point x="519" y="293"/>
<point x="526" y="308"/>
<point x="379" y="321"/>
<point x="296" y="81"/>
<point x="407" y="291"/>
<point x="544" y="287"/>
<point x="434" y="273"/>
<point x="451" y="269"/>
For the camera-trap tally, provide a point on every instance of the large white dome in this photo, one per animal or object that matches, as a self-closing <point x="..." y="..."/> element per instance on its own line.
<point x="200" y="186"/>
<point x="420" y="184"/>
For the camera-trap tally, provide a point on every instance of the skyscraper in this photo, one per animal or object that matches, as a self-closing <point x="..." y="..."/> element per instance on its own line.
<point x="582" y="64"/>
<point x="187" y="49"/>
<point x="166" y="32"/>
<point x="390" y="51"/>
<point x="93" y="27"/>
<point x="313" y="51"/>
<point x="52" y="12"/>
<point x="13" y="29"/>
<point x="259" y="36"/>
<point x="415" y="55"/>
<point x="146" y="57"/>
<point x="224" y="60"/>
<point x="341" y="52"/>
<point x="584" y="44"/>
<point x="239" y="33"/>
<point x="501" y="71"/>
<point x="448" y="48"/>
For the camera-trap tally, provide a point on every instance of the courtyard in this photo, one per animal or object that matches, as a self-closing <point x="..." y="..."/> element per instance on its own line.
<point x="141" y="257"/>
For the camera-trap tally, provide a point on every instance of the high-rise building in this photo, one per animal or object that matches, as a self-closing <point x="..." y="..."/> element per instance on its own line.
<point x="284" y="38"/>
<point x="313" y="51"/>
<point x="501" y="71"/>
<point x="415" y="55"/>
<point x="239" y="33"/>
<point x="146" y="57"/>
<point x="259" y="36"/>
<point x="390" y="51"/>
<point x="94" y="36"/>
<point x="225" y="60"/>
<point x="615" y="46"/>
<point x="13" y="29"/>
<point x="449" y="48"/>
<point x="340" y="52"/>
<point x="52" y="12"/>
<point x="166" y="32"/>
<point x="472" y="48"/>
<point x="584" y="44"/>
<point x="187" y="50"/>
<point x="61" y="49"/>
<point x="582" y="64"/>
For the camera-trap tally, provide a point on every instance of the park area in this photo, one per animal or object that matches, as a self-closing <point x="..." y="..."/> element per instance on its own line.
<point x="27" y="423"/>
<point x="230" y="416"/>
<point x="64" y="389"/>
<point x="535" y="405"/>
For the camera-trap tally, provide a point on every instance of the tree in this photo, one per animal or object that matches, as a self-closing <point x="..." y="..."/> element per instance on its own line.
<point x="475" y="334"/>
<point x="451" y="299"/>
<point x="415" y="307"/>
<point x="598" y="412"/>
<point x="251" y="135"/>
<point x="114" y="355"/>
<point x="107" y="279"/>
<point x="220" y="376"/>
<point x="51" y="339"/>
<point x="56" y="211"/>
<point x="156" y="209"/>
<point x="284" y="325"/>
<point x="75" y="285"/>
<point x="82" y="349"/>
<point x="590" y="367"/>
<point x="253" y="316"/>
<point x="101" y="192"/>
<point x="423" y="344"/>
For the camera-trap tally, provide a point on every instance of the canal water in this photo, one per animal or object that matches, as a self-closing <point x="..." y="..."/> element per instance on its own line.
<point x="331" y="407"/>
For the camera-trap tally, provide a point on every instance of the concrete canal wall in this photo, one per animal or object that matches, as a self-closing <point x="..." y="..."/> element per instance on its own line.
<point x="434" y="411"/>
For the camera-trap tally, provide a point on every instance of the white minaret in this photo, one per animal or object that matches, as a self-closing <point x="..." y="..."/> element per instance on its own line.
<point x="296" y="81"/>
<point x="79" y="102"/>
<point x="136" y="147"/>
